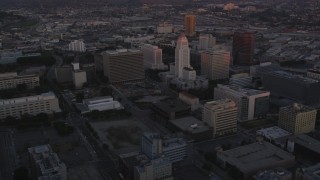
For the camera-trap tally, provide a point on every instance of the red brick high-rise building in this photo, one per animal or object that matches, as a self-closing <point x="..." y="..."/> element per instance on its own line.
<point x="190" y="25"/>
<point x="243" y="47"/>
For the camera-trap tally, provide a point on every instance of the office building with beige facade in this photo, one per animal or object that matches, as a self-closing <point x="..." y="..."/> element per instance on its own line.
<point x="123" y="66"/>
<point x="33" y="105"/>
<point x="221" y="115"/>
<point x="297" y="118"/>
<point x="12" y="80"/>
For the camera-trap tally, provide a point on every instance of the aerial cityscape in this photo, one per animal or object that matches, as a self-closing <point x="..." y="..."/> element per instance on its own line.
<point x="159" y="90"/>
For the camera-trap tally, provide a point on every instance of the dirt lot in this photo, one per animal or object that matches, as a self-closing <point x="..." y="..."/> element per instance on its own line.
<point x="120" y="134"/>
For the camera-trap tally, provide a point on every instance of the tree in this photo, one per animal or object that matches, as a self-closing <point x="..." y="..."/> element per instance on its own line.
<point x="21" y="173"/>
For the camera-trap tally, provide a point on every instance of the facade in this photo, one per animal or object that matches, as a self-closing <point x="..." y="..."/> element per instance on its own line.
<point x="152" y="57"/>
<point x="101" y="103"/>
<point x="12" y="80"/>
<point x="189" y="74"/>
<point x="221" y="115"/>
<point x="164" y="28"/>
<point x="182" y="56"/>
<point x="46" y="163"/>
<point x="206" y="41"/>
<point x="77" y="46"/>
<point x="297" y="118"/>
<point x="308" y="173"/>
<point x="281" y="83"/>
<point x="174" y="148"/>
<point x="243" y="48"/>
<point x="249" y="159"/>
<point x="63" y="74"/>
<point x="252" y="104"/>
<point x="79" y="77"/>
<point x="313" y="73"/>
<point x="156" y="169"/>
<point x="189" y="99"/>
<point x="215" y="64"/>
<point x="190" y="25"/>
<point x="44" y="103"/>
<point x="123" y="66"/>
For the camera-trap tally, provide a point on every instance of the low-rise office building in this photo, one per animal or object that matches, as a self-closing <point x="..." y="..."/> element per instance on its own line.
<point x="154" y="145"/>
<point x="247" y="160"/>
<point x="221" y="115"/>
<point x="101" y="103"/>
<point x="33" y="105"/>
<point x="297" y="118"/>
<point x="12" y="80"/>
<point x="252" y="104"/>
<point x="45" y="164"/>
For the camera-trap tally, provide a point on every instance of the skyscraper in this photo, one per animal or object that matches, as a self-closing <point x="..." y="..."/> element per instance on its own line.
<point x="182" y="56"/>
<point x="123" y="65"/>
<point x="152" y="56"/>
<point x="190" y="24"/>
<point x="206" y="41"/>
<point x="77" y="46"/>
<point x="215" y="64"/>
<point x="243" y="47"/>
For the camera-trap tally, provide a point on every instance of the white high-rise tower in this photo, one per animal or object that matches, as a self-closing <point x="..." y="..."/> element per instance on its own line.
<point x="182" y="55"/>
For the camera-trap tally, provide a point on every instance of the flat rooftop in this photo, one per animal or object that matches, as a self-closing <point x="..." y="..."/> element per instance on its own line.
<point x="298" y="108"/>
<point x="244" y="91"/>
<point x="172" y="105"/>
<point x="190" y="124"/>
<point x="295" y="77"/>
<point x="308" y="142"/>
<point x="255" y="156"/>
<point x="273" y="132"/>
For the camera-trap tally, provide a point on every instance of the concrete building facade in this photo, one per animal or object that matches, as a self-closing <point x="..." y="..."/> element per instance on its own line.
<point x="123" y="66"/>
<point x="206" y="41"/>
<point x="77" y="46"/>
<point x="182" y="56"/>
<point x="12" y="80"/>
<point x="44" y="103"/>
<point x="252" y="104"/>
<point x="297" y="118"/>
<point x="221" y="115"/>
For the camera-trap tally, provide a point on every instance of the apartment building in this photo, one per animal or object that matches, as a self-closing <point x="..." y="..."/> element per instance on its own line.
<point x="12" y="80"/>
<point x="33" y="105"/>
